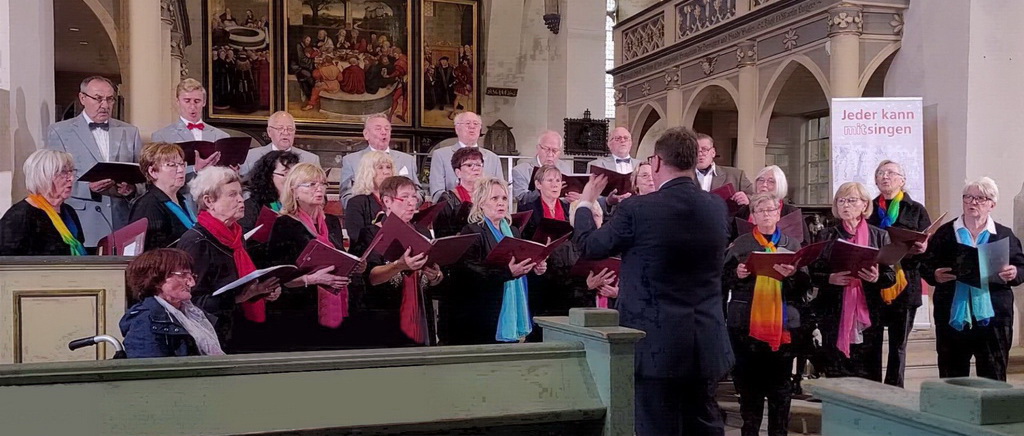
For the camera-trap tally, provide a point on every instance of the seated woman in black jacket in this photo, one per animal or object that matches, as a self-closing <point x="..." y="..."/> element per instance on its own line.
<point x="163" y="204"/>
<point x="314" y="305"/>
<point x="848" y="302"/>
<point x="395" y="310"/>
<point x="483" y="290"/>
<point x="364" y="206"/>
<point x="42" y="224"/>
<point x="218" y="252"/>
<point x="761" y="315"/>
<point x="165" y="323"/>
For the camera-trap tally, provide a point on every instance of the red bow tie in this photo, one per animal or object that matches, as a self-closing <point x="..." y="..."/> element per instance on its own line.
<point x="199" y="126"/>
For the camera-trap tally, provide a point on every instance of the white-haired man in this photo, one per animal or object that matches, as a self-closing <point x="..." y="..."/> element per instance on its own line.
<point x="442" y="176"/>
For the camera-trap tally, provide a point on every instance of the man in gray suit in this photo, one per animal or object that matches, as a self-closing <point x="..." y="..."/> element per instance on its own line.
<point x="711" y="176"/>
<point x="377" y="132"/>
<point x="620" y="144"/>
<point x="95" y="137"/>
<point x="442" y="176"/>
<point x="191" y="99"/>
<point x="549" y="152"/>
<point x="281" y="129"/>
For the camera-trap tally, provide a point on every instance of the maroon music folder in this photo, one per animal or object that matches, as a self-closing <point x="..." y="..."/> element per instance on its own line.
<point x="521" y="249"/>
<point x="550" y="228"/>
<point x="395" y="236"/>
<point x="264" y="224"/>
<point x="318" y="255"/>
<point x="847" y="256"/>
<point x="792" y="225"/>
<point x="618" y="182"/>
<point x="584" y="267"/>
<point x="726" y="191"/>
<point x="763" y="263"/>
<point x="232" y="150"/>
<point x="574" y="183"/>
<point x="520" y="219"/>
<point x="426" y="217"/>
<point x="120" y="172"/>
<point x="129" y="240"/>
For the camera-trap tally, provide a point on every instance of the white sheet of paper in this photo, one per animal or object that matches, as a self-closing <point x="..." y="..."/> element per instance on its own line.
<point x="997" y="255"/>
<point x="249" y="234"/>
<point x="130" y="249"/>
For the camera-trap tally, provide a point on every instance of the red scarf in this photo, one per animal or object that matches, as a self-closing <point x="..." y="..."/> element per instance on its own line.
<point x="557" y="213"/>
<point x="463" y="194"/>
<point x="332" y="308"/>
<point x="231" y="237"/>
<point x="413" y="321"/>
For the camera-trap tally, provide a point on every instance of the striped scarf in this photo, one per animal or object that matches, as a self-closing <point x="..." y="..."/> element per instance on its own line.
<point x="66" y="235"/>
<point x="888" y="215"/>
<point x="767" y="311"/>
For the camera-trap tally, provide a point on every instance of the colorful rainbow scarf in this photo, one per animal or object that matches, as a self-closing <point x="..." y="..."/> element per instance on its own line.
<point x="39" y="202"/>
<point x="767" y="311"/>
<point x="888" y="218"/>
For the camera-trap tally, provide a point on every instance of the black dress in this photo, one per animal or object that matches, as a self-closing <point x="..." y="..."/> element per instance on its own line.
<point x="27" y="231"/>
<point x="360" y="213"/>
<point x="449" y="222"/>
<point x="292" y="319"/>
<point x="164" y="227"/>
<point x="257" y="250"/>
<point x="556" y="291"/>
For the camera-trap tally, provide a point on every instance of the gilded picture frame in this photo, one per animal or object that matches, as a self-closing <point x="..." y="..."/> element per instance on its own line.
<point x="449" y="61"/>
<point x="240" y="72"/>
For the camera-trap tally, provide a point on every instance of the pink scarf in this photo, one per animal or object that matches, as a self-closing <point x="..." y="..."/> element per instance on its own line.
<point x="332" y="308"/>
<point x="855" y="317"/>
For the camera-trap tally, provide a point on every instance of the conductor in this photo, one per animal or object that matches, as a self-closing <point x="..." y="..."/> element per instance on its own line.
<point x="670" y="287"/>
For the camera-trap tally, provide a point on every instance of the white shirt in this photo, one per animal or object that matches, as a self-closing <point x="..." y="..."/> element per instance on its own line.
<point x="385" y="150"/>
<point x="196" y="133"/>
<point x="705" y="181"/>
<point x="623" y="167"/>
<point x="461" y="145"/>
<point x="102" y="138"/>
<point x="990" y="226"/>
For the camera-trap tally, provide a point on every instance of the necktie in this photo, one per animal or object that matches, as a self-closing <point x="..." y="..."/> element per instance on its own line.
<point x="192" y="126"/>
<point x="104" y="126"/>
<point x="618" y="161"/>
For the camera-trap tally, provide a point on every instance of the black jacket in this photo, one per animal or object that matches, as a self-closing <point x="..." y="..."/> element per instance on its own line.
<point x="672" y="243"/>
<point x="214" y="265"/>
<point x="359" y="214"/>
<point x="555" y="292"/>
<point x="941" y="253"/>
<point x="913" y="216"/>
<point x="27" y="231"/>
<point x="794" y="288"/>
<point x="164" y="227"/>
<point x="448" y="223"/>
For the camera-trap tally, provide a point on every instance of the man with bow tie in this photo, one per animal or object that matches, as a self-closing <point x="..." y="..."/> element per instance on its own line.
<point x="95" y="137"/>
<point x="620" y="144"/>
<point x="191" y="99"/>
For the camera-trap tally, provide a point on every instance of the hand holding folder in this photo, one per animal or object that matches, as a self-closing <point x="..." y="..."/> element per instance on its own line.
<point x="119" y="172"/>
<point x="584" y="267"/>
<point x="617" y="182"/>
<point x="903" y="241"/>
<point x="232" y="150"/>
<point x="847" y="256"/>
<point x="395" y="236"/>
<point x="970" y="261"/>
<point x="726" y="191"/>
<point x="763" y="263"/>
<point x="521" y="249"/>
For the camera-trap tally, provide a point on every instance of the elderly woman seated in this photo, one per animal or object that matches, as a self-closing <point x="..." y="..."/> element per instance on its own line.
<point x="41" y="224"/>
<point x="165" y="323"/>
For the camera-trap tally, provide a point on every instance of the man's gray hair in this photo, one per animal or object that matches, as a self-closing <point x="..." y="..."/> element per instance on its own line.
<point x="86" y="81"/>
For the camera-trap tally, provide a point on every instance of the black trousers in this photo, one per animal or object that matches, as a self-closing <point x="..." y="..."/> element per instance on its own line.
<point x="865" y="359"/>
<point x="761" y="374"/>
<point x="899" y="320"/>
<point x="989" y="345"/>
<point x="677" y="406"/>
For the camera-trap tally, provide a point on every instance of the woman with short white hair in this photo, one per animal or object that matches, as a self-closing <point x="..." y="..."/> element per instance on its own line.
<point x="219" y="257"/>
<point x="770" y="179"/>
<point x="41" y="224"/>
<point x="973" y="319"/>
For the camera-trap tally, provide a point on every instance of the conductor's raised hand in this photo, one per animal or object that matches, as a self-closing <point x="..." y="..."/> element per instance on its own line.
<point x="520" y="268"/>
<point x="594" y="187"/>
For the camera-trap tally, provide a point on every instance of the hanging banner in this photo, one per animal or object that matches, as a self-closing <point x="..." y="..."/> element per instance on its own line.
<point x="866" y="131"/>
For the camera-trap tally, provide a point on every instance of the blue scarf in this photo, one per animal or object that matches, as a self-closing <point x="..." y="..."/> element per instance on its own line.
<point x="514" y="321"/>
<point x="184" y="215"/>
<point x="979" y="299"/>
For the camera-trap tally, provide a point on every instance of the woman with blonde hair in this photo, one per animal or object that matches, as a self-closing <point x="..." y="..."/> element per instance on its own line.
<point x="848" y="302"/>
<point x="643" y="179"/>
<point x="42" y="224"/>
<point x="314" y="304"/>
<point x="362" y="209"/>
<point x="489" y="305"/>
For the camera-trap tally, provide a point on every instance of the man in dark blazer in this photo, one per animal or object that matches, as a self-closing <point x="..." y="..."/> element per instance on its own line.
<point x="92" y="137"/>
<point x="672" y="244"/>
<point x="711" y="176"/>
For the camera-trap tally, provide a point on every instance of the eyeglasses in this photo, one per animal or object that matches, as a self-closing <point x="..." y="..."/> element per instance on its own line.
<point x="185" y="275"/>
<point x="175" y="165"/>
<point x="707" y="150"/>
<point x="101" y="99"/>
<point x="67" y="174"/>
<point x="887" y="173"/>
<point x="415" y="199"/>
<point x="314" y="185"/>
<point x="470" y="123"/>
<point x="848" y="200"/>
<point x="472" y="165"/>
<point x="760" y="180"/>
<point x="551" y="150"/>
<point x="766" y="211"/>
<point x="971" y="199"/>
<point x="283" y="129"/>
<point x="281" y="174"/>
<point x="621" y="138"/>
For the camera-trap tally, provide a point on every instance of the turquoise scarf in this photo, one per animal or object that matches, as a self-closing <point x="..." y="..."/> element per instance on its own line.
<point x="184" y="215"/>
<point x="980" y="300"/>
<point x="514" y="321"/>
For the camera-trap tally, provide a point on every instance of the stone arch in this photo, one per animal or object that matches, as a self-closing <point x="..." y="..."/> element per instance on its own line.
<point x="648" y="124"/>
<point x="110" y="26"/>
<point x="884" y="55"/>
<point x="692" y="106"/>
<point x="778" y="81"/>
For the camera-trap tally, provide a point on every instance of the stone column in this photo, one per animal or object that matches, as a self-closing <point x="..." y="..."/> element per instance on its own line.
<point x="749" y="158"/>
<point x="673" y="99"/>
<point x="845" y="25"/>
<point x="147" y="67"/>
